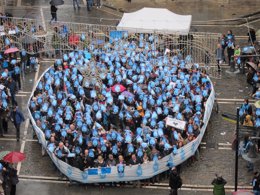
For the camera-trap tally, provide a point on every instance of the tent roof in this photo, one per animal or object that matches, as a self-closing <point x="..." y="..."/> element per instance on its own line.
<point x="150" y="20"/>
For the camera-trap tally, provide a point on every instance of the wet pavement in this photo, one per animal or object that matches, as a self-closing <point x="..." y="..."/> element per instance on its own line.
<point x="38" y="175"/>
<point x="216" y="155"/>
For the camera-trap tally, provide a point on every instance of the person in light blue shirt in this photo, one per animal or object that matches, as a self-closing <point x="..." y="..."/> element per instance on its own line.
<point x="17" y="77"/>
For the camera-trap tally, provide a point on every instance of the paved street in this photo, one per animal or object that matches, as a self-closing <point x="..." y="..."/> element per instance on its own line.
<point x="37" y="173"/>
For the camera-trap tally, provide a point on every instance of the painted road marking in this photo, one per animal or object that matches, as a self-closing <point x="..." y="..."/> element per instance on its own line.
<point x="36" y="75"/>
<point x="26" y="92"/>
<point x="43" y="20"/>
<point x="163" y="186"/>
<point x="229" y="99"/>
<point x="102" y="10"/>
<point x="26" y="126"/>
<point x="43" y="181"/>
<point x="23" y="144"/>
<point x="42" y="177"/>
<point x="14" y="139"/>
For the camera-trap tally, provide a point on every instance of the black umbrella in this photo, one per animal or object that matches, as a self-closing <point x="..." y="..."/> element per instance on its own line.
<point x="56" y="2"/>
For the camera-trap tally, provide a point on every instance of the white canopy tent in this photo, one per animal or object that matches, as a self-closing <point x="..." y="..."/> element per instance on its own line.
<point x="150" y="20"/>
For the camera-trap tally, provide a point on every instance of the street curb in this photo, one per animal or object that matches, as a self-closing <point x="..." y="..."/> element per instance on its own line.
<point x="121" y="10"/>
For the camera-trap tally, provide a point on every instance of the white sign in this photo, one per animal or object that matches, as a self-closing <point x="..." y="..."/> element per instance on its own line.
<point x="173" y="122"/>
<point x="2" y="87"/>
<point x="11" y="32"/>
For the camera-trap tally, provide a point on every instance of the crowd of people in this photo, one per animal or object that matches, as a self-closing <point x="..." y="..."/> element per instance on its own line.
<point x="14" y="65"/>
<point x="121" y="121"/>
<point x="250" y="117"/>
<point x="241" y="58"/>
<point x="21" y="32"/>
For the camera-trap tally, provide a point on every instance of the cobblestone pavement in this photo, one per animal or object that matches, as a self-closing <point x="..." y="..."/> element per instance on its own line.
<point x="216" y="155"/>
<point x="201" y="10"/>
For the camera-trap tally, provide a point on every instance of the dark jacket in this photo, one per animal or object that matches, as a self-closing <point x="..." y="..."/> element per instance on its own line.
<point x="12" y="87"/>
<point x="132" y="162"/>
<point x="53" y="9"/>
<point x="219" y="184"/>
<point x="256" y="183"/>
<point x="175" y="180"/>
<point x="17" y="117"/>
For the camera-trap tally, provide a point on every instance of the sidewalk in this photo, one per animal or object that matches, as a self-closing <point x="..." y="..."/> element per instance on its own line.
<point x="201" y="10"/>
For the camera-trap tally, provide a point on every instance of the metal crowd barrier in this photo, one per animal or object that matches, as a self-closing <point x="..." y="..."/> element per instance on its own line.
<point x="66" y="36"/>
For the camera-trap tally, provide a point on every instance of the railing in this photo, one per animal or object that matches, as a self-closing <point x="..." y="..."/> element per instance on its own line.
<point x="67" y="36"/>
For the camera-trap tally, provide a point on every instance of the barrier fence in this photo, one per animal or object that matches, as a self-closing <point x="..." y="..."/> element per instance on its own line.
<point x="130" y="173"/>
<point x="28" y="34"/>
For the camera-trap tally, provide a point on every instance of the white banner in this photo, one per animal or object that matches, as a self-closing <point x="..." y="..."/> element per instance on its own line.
<point x="173" y="122"/>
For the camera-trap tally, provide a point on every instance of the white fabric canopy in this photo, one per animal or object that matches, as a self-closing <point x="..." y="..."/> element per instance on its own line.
<point x="150" y="20"/>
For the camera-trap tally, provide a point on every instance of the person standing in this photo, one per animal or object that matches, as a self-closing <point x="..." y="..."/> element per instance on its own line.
<point x="98" y="3"/>
<point x="175" y="181"/>
<point x="17" y="118"/>
<point x="251" y="36"/>
<point x="77" y="3"/>
<point x="2" y="111"/>
<point x="13" y="89"/>
<point x="24" y="58"/>
<point x="17" y="76"/>
<point x="219" y="185"/>
<point x="14" y="179"/>
<point x="230" y="45"/>
<point x="7" y="183"/>
<point x="255" y="183"/>
<point x="223" y="42"/>
<point x="219" y="56"/>
<point x="53" y="13"/>
<point x="89" y="4"/>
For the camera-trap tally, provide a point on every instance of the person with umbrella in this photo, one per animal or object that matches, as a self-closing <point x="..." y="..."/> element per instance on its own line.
<point x="13" y="178"/>
<point x="17" y="118"/>
<point x="10" y="179"/>
<point x="53" y="13"/>
<point x="10" y="176"/>
<point x="6" y="181"/>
